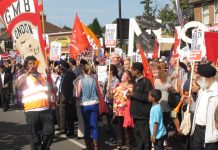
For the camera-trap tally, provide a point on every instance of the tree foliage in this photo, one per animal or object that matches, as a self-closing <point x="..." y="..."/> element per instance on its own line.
<point x="96" y="28"/>
<point x="167" y="14"/>
<point x="148" y="10"/>
<point x="67" y="28"/>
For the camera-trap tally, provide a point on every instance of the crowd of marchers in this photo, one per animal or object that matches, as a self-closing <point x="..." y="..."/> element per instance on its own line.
<point x="136" y="112"/>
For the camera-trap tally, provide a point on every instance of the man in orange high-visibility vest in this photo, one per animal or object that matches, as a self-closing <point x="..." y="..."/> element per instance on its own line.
<point x="36" y="106"/>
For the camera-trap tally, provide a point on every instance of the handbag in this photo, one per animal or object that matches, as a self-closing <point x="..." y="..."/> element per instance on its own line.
<point x="103" y="107"/>
<point x="186" y="123"/>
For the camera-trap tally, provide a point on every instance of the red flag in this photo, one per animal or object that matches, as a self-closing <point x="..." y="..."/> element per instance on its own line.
<point x="211" y="40"/>
<point x="147" y="70"/>
<point x="176" y="44"/>
<point x="79" y="41"/>
<point x="156" y="49"/>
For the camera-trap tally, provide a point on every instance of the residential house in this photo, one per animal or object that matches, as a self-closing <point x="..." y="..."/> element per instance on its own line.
<point x="205" y="11"/>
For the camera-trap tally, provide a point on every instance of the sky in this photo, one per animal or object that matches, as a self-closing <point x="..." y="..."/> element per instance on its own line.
<point x="62" y="12"/>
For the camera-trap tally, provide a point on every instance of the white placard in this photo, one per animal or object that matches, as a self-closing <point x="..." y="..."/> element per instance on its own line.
<point x="55" y="51"/>
<point x="118" y="51"/>
<point x="197" y="40"/>
<point x="102" y="73"/>
<point x="87" y="55"/>
<point x="111" y="35"/>
<point x="184" y="53"/>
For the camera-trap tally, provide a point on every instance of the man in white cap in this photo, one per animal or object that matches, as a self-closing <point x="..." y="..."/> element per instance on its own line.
<point x="115" y="60"/>
<point x="204" y="134"/>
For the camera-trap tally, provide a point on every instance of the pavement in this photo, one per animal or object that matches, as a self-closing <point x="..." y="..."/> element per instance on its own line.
<point x="14" y="135"/>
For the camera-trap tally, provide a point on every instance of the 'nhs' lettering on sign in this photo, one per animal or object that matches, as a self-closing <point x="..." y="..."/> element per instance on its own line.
<point x="17" y="8"/>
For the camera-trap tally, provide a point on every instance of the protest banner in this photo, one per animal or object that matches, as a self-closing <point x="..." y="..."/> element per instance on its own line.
<point x="195" y="55"/>
<point x="197" y="40"/>
<point x="111" y="35"/>
<point x="22" y="20"/>
<point x="146" y="41"/>
<point x="118" y="51"/>
<point x="87" y="55"/>
<point x="102" y="73"/>
<point x="197" y="46"/>
<point x="211" y="40"/>
<point x="55" y="51"/>
<point x="149" y="22"/>
<point x="184" y="53"/>
<point x="136" y="57"/>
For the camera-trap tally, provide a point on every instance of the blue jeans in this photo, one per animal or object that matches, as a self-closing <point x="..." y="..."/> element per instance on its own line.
<point x="90" y="118"/>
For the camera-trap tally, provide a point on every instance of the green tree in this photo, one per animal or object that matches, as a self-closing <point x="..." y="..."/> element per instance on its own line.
<point x="96" y="28"/>
<point x="148" y="10"/>
<point x="167" y="14"/>
<point x="184" y="4"/>
<point x="67" y="28"/>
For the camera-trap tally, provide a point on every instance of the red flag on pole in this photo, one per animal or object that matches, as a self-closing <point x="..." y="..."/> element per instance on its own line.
<point x="147" y="70"/>
<point x="79" y="41"/>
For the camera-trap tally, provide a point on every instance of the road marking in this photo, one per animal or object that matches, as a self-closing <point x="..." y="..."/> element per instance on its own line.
<point x="71" y="140"/>
<point x="18" y="111"/>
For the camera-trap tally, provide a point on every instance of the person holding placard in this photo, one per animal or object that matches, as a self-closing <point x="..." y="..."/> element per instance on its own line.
<point x="204" y="134"/>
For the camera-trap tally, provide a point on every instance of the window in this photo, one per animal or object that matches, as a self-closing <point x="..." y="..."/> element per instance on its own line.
<point x="216" y="10"/>
<point x="205" y="13"/>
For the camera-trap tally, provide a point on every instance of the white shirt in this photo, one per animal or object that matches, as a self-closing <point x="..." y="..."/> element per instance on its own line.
<point x="201" y="112"/>
<point x="3" y="78"/>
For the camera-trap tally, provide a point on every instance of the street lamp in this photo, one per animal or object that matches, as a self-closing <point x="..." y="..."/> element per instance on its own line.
<point x="120" y="23"/>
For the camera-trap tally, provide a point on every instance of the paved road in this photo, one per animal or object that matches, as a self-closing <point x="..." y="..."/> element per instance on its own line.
<point x="14" y="136"/>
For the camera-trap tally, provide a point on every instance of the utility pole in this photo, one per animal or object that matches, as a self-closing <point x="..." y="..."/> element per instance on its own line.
<point x="120" y="23"/>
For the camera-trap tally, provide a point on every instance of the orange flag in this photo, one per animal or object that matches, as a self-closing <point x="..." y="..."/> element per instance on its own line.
<point x="147" y="70"/>
<point x="79" y="41"/>
<point x="92" y="37"/>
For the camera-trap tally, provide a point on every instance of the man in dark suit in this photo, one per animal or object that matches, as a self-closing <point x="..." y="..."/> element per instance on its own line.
<point x="67" y="107"/>
<point x="140" y="107"/>
<point x="5" y="88"/>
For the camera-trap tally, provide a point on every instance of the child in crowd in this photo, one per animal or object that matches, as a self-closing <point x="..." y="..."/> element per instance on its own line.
<point x="157" y="128"/>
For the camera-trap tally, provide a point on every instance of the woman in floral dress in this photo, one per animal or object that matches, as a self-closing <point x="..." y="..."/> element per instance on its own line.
<point x="121" y="110"/>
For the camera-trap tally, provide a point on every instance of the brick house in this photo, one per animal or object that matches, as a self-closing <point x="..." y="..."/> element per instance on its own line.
<point x="205" y="11"/>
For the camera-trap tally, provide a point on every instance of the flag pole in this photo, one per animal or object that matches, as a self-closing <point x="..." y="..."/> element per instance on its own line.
<point x="43" y="32"/>
<point x="109" y="69"/>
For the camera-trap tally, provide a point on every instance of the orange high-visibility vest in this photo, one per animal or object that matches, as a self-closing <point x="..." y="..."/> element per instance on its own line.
<point x="35" y="96"/>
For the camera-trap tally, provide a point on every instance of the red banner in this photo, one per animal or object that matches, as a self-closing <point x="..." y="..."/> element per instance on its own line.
<point x="79" y="41"/>
<point x="22" y="19"/>
<point x="211" y="40"/>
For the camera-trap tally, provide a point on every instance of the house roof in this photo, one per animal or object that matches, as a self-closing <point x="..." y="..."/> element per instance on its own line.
<point x="198" y="1"/>
<point x="49" y="28"/>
